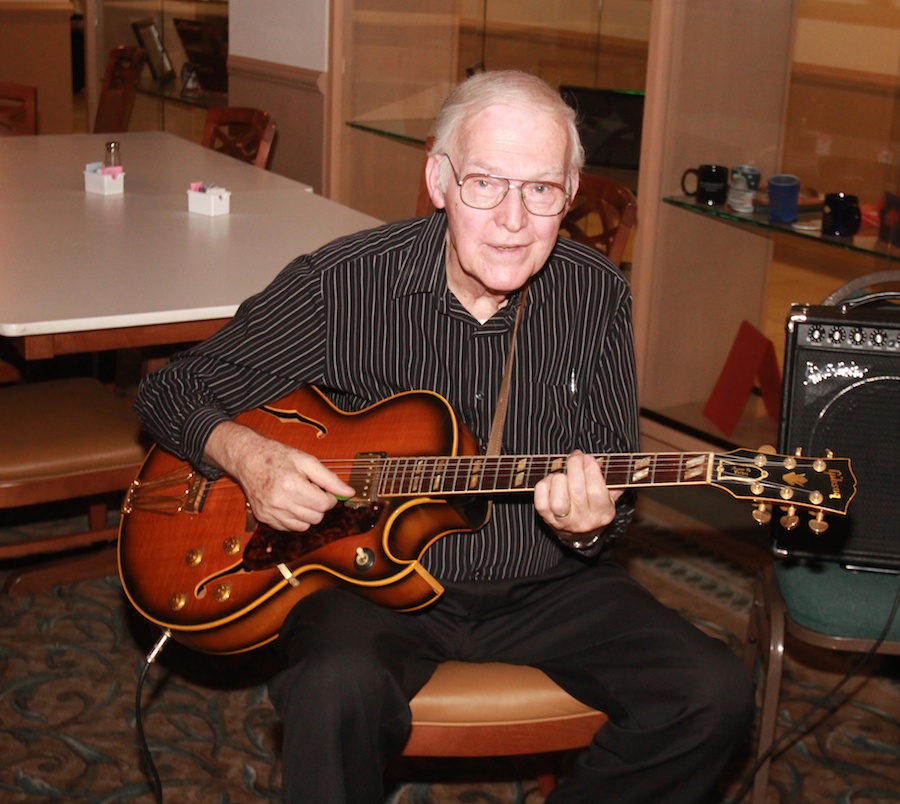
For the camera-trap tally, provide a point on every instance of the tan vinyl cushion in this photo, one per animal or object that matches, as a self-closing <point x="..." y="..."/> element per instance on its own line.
<point x="493" y="692"/>
<point x="496" y="709"/>
<point x="63" y="427"/>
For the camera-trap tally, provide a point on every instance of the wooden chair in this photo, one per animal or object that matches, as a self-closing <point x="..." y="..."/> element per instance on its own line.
<point x="497" y="709"/>
<point x="823" y="605"/>
<point x="603" y="213"/>
<point x="18" y="109"/>
<point x="64" y="440"/>
<point x="123" y="70"/>
<point x="242" y="132"/>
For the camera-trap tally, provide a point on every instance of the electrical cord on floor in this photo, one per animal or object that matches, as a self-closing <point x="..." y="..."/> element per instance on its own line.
<point x="145" y="749"/>
<point x="789" y="737"/>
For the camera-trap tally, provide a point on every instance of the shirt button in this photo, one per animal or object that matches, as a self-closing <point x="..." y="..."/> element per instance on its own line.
<point x="479" y="396"/>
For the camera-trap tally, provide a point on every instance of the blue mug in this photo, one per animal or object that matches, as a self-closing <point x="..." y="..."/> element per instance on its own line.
<point x="784" y="197"/>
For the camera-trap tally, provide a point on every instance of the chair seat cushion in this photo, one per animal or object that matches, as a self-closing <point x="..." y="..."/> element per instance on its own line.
<point x="63" y="427"/>
<point x="493" y="692"/>
<point x="830" y="599"/>
<point x="496" y="709"/>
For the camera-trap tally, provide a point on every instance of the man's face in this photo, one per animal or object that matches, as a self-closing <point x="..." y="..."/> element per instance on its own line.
<point x="493" y="252"/>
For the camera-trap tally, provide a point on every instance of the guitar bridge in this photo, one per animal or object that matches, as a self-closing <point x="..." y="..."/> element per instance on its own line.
<point x="364" y="478"/>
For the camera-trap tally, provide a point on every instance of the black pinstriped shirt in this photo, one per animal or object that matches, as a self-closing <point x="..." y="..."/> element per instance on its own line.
<point x="370" y="315"/>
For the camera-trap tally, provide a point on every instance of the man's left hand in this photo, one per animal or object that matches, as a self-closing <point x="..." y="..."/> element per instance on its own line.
<point x="577" y="503"/>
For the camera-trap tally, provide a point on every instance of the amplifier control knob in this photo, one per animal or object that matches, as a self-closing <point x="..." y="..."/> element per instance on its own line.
<point x="857" y="336"/>
<point x="816" y="334"/>
<point x="879" y="337"/>
<point x="836" y="335"/>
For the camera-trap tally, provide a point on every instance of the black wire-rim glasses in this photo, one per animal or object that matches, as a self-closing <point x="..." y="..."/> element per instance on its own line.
<point x="484" y="191"/>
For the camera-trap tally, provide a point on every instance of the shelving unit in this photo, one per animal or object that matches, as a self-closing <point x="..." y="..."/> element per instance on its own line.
<point x="717" y="91"/>
<point x="398" y="62"/>
<point x="157" y="108"/>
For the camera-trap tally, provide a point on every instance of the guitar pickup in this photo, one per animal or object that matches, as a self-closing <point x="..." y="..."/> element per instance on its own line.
<point x="364" y="478"/>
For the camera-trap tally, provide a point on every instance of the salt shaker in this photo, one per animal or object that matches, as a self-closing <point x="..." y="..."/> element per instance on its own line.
<point x="113" y="155"/>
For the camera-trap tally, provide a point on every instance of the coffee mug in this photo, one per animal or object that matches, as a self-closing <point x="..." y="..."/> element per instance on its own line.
<point x="743" y="185"/>
<point x="712" y="184"/>
<point x="784" y="196"/>
<point x="889" y="219"/>
<point x="840" y="215"/>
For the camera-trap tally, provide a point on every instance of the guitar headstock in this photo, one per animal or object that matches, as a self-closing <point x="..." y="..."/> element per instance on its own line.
<point x="823" y="485"/>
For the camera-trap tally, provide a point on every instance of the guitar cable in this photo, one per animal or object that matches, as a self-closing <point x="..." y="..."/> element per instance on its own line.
<point x="792" y="734"/>
<point x="155" y="781"/>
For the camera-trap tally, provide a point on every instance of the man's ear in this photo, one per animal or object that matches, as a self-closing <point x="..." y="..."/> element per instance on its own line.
<point x="433" y="180"/>
<point x="574" y="183"/>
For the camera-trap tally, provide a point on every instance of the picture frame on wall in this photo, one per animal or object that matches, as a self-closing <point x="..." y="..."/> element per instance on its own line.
<point x="148" y="36"/>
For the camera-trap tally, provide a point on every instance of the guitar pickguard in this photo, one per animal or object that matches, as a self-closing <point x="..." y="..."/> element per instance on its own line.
<point x="269" y="547"/>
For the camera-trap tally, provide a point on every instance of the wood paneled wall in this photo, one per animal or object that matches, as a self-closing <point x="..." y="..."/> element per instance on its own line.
<point x="36" y="49"/>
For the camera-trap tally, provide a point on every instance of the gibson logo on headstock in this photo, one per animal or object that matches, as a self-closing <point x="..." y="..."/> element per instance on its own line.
<point x="836" y="476"/>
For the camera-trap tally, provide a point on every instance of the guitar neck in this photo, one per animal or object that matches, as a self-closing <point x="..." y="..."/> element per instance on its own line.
<point x="824" y="484"/>
<point x="441" y="476"/>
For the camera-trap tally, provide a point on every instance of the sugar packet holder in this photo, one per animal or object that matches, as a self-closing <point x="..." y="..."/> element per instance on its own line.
<point x="207" y="199"/>
<point x="103" y="180"/>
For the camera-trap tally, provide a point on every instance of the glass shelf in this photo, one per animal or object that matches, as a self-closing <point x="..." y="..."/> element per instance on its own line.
<point x="408" y="130"/>
<point x="171" y="91"/>
<point x="865" y="242"/>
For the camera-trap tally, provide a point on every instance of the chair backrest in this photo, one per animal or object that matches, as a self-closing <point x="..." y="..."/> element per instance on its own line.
<point x="123" y="70"/>
<point x="18" y="109"/>
<point x="602" y="215"/>
<point x="242" y="132"/>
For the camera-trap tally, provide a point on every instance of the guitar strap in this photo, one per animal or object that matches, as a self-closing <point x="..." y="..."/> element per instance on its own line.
<point x="493" y="447"/>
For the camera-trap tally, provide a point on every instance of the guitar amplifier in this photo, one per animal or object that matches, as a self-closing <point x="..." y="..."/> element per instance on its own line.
<point x="842" y="393"/>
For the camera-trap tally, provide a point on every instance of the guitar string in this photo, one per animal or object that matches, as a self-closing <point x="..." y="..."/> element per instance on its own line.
<point x="408" y="470"/>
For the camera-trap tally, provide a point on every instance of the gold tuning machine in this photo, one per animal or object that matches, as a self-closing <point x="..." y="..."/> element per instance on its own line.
<point x="790" y="520"/>
<point x="817" y="524"/>
<point x="761" y="514"/>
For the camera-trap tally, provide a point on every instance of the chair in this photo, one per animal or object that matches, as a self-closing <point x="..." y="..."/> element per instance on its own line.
<point x="602" y="215"/>
<point x="496" y="709"/>
<point x="18" y="109"/>
<point x="823" y="605"/>
<point x="123" y="70"/>
<point x="64" y="440"/>
<point x="241" y="132"/>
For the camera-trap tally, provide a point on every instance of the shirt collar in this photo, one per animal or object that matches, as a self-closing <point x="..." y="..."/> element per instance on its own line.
<point x="425" y="271"/>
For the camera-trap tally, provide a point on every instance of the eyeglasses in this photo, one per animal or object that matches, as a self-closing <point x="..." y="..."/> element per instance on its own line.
<point x="483" y="191"/>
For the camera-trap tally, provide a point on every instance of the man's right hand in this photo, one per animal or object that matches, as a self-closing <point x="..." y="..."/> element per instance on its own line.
<point x="286" y="488"/>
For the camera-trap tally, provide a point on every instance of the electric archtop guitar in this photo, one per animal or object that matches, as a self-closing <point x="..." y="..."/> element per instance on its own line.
<point x="194" y="560"/>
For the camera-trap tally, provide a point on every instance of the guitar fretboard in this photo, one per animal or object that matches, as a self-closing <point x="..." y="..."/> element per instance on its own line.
<point x="401" y="477"/>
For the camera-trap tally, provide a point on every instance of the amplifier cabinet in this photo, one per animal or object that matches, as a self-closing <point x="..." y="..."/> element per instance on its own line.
<point x="842" y="393"/>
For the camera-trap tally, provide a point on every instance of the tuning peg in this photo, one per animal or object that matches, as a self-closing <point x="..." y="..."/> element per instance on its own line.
<point x="761" y="514"/>
<point x="790" y="520"/>
<point x="817" y="524"/>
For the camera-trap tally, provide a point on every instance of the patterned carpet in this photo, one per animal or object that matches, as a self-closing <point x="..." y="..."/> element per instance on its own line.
<point x="70" y="660"/>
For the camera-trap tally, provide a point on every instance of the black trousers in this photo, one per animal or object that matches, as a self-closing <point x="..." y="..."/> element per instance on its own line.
<point x="679" y="701"/>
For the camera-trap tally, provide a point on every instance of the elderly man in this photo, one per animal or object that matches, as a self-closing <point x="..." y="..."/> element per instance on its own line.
<point x="431" y="304"/>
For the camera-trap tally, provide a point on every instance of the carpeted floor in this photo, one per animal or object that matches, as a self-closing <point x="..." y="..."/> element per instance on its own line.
<point x="70" y="660"/>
